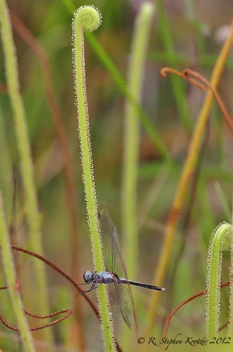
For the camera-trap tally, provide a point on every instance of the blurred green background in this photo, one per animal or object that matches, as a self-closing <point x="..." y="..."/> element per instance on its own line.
<point x="198" y="31"/>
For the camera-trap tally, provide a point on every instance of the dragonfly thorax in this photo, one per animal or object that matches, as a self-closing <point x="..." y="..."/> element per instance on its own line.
<point x="88" y="276"/>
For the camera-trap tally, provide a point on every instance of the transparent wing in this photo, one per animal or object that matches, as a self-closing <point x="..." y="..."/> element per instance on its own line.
<point x="119" y="294"/>
<point x="113" y="259"/>
<point x="120" y="301"/>
<point x="125" y="302"/>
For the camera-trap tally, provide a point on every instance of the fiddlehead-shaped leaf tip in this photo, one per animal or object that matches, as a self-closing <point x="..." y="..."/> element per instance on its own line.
<point x="221" y="240"/>
<point x="89" y="16"/>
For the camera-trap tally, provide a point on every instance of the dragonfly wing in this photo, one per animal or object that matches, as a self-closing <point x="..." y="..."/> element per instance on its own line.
<point x="110" y="242"/>
<point x="120" y="299"/>
<point x="119" y="294"/>
<point x="125" y="303"/>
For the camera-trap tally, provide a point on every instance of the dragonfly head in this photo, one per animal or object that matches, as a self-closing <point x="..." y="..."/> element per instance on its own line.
<point x="88" y="276"/>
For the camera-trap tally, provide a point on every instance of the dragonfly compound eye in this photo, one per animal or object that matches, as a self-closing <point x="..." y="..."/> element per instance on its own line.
<point x="88" y="276"/>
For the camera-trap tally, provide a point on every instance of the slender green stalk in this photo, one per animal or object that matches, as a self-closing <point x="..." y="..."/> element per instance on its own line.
<point x="221" y="240"/>
<point x="176" y="83"/>
<point x="32" y="212"/>
<point x="9" y="271"/>
<point x="87" y="17"/>
<point x="130" y="170"/>
<point x="131" y="137"/>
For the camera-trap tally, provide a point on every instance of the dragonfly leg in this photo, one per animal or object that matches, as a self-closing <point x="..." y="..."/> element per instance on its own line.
<point x="83" y="283"/>
<point x="93" y="287"/>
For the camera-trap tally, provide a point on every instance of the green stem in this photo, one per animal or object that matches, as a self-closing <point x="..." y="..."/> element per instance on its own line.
<point x="130" y="171"/>
<point x="87" y="17"/>
<point x="176" y="82"/>
<point x="220" y="241"/>
<point x="25" y="158"/>
<point x="9" y="271"/>
<point x="131" y="137"/>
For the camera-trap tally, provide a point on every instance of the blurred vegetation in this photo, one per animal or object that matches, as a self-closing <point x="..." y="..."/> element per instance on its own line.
<point x="198" y="31"/>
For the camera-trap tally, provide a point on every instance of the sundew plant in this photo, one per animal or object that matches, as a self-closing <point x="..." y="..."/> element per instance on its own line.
<point x="123" y="106"/>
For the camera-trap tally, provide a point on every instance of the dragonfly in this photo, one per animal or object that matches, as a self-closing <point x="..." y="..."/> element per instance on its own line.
<point x="115" y="273"/>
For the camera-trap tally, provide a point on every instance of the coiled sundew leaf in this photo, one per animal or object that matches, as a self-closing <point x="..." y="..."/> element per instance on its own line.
<point x="89" y="18"/>
<point x="221" y="240"/>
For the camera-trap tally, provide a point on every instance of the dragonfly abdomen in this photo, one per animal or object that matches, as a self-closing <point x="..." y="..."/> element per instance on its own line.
<point x="140" y="284"/>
